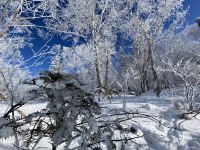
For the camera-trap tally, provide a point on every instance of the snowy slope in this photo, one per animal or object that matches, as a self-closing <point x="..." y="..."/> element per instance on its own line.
<point x="174" y="134"/>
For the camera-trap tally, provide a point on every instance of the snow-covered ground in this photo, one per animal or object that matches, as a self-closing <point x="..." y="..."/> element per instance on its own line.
<point x="174" y="134"/>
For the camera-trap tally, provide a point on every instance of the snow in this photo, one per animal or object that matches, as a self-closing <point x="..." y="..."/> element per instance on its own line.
<point x="173" y="134"/>
<point x="5" y="132"/>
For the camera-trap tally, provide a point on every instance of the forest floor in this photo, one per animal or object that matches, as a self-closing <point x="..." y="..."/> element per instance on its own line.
<point x="174" y="134"/>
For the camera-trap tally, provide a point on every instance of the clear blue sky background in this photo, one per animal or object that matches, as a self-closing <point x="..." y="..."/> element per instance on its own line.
<point x="193" y="13"/>
<point x="194" y="10"/>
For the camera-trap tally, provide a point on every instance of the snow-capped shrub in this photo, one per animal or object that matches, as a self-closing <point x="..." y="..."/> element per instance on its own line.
<point x="70" y="110"/>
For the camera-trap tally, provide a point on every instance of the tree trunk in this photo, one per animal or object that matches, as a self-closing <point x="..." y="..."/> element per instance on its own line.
<point x="97" y="68"/>
<point x="107" y="67"/>
<point x="97" y="61"/>
<point x="54" y="147"/>
<point x="144" y="77"/>
<point x="151" y="61"/>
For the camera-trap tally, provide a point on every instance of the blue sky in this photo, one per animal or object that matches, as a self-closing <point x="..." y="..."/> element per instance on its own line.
<point x="194" y="10"/>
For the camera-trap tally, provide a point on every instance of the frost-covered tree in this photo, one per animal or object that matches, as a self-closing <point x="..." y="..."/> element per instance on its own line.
<point x="181" y="47"/>
<point x="180" y="56"/>
<point x="92" y="22"/>
<point x="13" y="65"/>
<point x="188" y="71"/>
<point x="11" y="74"/>
<point x="12" y="70"/>
<point x="80" y="59"/>
<point x="147" y="22"/>
<point x="128" y="74"/>
<point x="18" y="14"/>
<point x="56" y="61"/>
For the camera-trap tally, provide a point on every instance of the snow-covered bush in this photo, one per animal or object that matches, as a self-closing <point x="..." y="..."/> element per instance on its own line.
<point x="70" y="110"/>
<point x="73" y="118"/>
